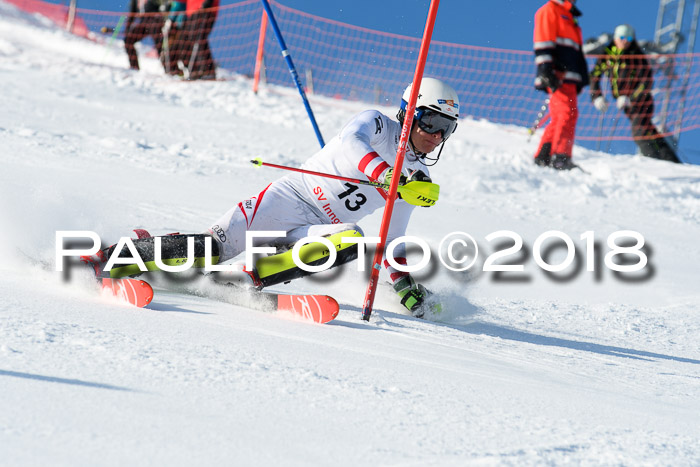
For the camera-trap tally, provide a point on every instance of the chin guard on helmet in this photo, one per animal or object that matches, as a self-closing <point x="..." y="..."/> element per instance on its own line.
<point x="423" y="157"/>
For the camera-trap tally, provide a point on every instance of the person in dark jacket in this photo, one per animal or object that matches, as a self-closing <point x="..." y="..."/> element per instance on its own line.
<point x="145" y="19"/>
<point x="562" y="73"/>
<point x="631" y="81"/>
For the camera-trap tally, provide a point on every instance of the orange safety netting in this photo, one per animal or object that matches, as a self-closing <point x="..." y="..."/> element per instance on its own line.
<point x="349" y="62"/>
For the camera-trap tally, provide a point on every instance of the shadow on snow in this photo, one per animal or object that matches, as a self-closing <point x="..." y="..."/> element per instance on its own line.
<point x="54" y="379"/>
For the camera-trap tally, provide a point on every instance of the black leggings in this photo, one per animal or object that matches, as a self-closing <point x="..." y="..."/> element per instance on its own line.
<point x="196" y="43"/>
<point x="138" y="30"/>
<point x="644" y="132"/>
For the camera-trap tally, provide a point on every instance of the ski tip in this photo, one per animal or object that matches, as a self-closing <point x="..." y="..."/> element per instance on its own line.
<point x="317" y="308"/>
<point x="333" y="304"/>
<point x="145" y="295"/>
<point x="132" y="291"/>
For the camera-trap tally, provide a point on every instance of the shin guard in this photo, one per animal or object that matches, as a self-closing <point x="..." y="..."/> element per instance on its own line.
<point x="279" y="268"/>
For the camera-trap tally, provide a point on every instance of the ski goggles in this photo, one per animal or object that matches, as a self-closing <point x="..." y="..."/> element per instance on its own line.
<point x="431" y="122"/>
<point x="626" y="38"/>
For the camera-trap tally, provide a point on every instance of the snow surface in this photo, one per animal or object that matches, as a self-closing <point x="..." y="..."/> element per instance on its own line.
<point x="529" y="371"/>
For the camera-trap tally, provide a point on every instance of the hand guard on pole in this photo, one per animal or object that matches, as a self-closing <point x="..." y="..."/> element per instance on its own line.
<point x="417" y="189"/>
<point x="416" y="176"/>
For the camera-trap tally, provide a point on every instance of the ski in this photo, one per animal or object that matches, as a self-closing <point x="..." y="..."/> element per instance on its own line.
<point x="317" y="308"/>
<point x="135" y="292"/>
<point x="132" y="291"/>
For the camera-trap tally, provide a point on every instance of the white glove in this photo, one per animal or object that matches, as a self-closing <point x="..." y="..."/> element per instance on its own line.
<point x="600" y="104"/>
<point x="623" y="102"/>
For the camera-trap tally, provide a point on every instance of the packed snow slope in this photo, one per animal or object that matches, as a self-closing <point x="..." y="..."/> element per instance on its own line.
<point x="525" y="368"/>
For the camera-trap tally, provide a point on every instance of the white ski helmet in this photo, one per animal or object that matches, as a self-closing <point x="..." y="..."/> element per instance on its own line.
<point x="437" y="109"/>
<point x="435" y="95"/>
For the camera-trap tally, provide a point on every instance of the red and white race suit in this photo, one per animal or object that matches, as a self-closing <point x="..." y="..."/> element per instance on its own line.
<point x="302" y="204"/>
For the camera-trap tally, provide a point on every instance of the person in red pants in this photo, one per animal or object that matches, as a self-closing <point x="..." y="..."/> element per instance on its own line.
<point x="562" y="73"/>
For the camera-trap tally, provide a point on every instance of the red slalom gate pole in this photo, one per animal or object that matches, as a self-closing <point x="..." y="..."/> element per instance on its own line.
<point x="398" y="164"/>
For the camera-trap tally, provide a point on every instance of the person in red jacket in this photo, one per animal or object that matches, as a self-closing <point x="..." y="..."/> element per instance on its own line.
<point x="562" y="73"/>
<point x="197" y="61"/>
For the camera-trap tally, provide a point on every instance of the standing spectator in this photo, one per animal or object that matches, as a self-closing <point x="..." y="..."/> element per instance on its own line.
<point x="197" y="61"/>
<point x="144" y="19"/>
<point x="631" y="81"/>
<point x="562" y="73"/>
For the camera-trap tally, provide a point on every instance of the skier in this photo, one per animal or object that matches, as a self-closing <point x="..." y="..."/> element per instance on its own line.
<point x="309" y="205"/>
<point x="631" y="82"/>
<point x="562" y="73"/>
<point x="145" y="19"/>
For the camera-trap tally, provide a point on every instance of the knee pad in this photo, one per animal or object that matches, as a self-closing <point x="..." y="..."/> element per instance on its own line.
<point x="279" y="268"/>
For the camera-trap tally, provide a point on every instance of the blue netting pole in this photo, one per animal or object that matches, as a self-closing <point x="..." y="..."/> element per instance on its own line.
<point x="292" y="69"/>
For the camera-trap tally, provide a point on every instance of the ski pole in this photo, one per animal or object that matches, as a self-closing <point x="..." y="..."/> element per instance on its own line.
<point x="165" y="32"/>
<point x="416" y="192"/>
<point x="612" y="133"/>
<point x="600" y="131"/>
<point x="187" y="71"/>
<point x="115" y="33"/>
<point x="117" y="28"/>
<point x="540" y="118"/>
<point x="260" y="163"/>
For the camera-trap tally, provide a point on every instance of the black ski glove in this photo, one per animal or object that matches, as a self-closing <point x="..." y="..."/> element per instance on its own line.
<point x="546" y="78"/>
